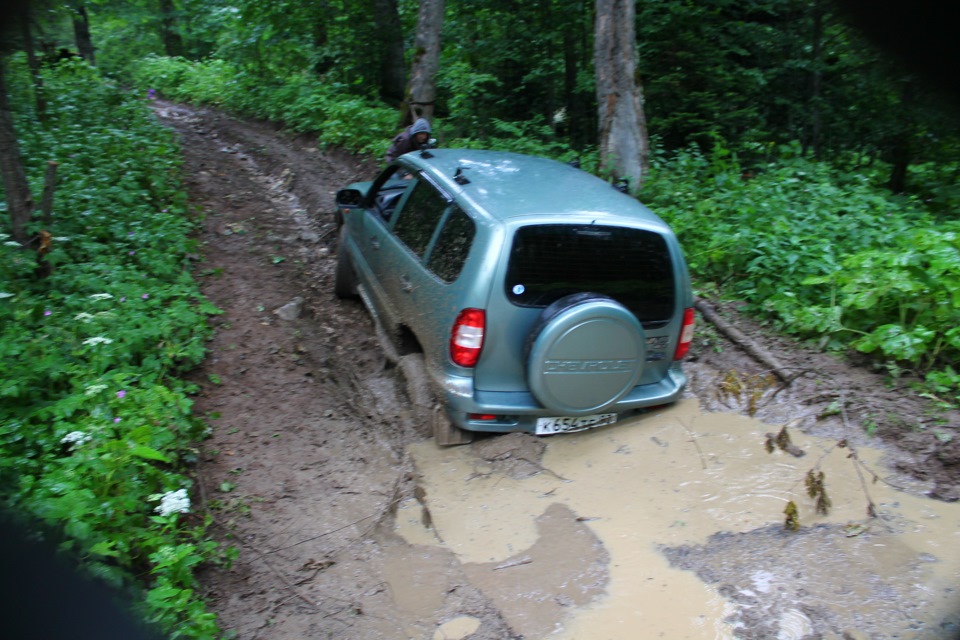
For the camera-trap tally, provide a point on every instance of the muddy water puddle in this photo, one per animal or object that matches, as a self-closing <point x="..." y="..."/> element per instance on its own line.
<point x="673" y="524"/>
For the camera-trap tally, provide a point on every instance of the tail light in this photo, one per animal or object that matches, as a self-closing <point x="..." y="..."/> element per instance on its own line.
<point x="466" y="337"/>
<point x="686" y="335"/>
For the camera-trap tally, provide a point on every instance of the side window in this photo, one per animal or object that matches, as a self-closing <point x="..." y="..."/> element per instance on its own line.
<point x="453" y="245"/>
<point x="419" y="218"/>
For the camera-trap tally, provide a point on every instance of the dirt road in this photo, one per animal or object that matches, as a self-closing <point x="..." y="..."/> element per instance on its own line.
<point x="351" y="524"/>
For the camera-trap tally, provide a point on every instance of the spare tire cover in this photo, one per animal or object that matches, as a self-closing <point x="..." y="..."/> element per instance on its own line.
<point x="585" y="353"/>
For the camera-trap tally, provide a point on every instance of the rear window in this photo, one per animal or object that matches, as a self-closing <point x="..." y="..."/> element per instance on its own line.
<point x="633" y="266"/>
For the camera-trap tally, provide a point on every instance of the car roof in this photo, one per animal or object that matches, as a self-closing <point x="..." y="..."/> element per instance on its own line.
<point x="508" y="185"/>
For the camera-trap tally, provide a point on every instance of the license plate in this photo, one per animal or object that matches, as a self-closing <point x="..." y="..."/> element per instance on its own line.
<point x="546" y="426"/>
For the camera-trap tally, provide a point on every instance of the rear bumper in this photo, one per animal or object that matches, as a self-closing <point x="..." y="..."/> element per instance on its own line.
<point x="518" y="411"/>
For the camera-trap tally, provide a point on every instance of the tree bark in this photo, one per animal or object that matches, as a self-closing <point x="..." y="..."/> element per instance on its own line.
<point x="81" y="34"/>
<point x="624" y="150"/>
<point x="393" y="73"/>
<point x="421" y="91"/>
<point x="19" y="199"/>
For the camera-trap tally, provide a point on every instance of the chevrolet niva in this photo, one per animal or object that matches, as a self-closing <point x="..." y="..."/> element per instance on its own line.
<point x="519" y="293"/>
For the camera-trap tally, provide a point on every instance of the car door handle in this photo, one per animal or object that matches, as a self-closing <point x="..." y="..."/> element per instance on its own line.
<point x="374" y="242"/>
<point x="405" y="285"/>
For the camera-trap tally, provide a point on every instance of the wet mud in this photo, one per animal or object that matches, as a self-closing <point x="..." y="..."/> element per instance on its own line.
<point x="689" y="507"/>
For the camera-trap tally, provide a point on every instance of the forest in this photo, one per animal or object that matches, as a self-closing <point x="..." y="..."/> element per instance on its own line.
<point x="810" y="173"/>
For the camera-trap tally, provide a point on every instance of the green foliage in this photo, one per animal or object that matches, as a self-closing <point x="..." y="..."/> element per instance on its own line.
<point x="96" y="433"/>
<point x="824" y="253"/>
<point x="533" y="138"/>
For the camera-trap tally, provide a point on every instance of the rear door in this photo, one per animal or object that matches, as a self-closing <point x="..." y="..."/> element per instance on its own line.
<point x="430" y="240"/>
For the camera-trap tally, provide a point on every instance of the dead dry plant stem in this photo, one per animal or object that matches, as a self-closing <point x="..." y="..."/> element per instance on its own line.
<point x="514" y="563"/>
<point x="394" y="501"/>
<point x="693" y="439"/>
<point x="871" y="507"/>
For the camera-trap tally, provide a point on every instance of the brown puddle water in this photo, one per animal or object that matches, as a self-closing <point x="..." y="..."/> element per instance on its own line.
<point x="589" y="536"/>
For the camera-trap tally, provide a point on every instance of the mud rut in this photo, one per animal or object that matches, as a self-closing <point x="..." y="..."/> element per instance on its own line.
<point x="307" y="461"/>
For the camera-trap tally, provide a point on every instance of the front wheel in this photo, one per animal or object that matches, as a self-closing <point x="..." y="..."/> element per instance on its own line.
<point x="425" y="404"/>
<point x="345" y="279"/>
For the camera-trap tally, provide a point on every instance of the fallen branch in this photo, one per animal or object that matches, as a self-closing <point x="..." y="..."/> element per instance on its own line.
<point x="513" y="563"/>
<point x="752" y="348"/>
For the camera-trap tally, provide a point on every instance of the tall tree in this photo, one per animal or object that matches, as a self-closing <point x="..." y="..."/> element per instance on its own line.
<point x="421" y="91"/>
<point x="169" y="29"/>
<point x="624" y="146"/>
<point x="81" y="33"/>
<point x="26" y="29"/>
<point x="393" y="76"/>
<point x="20" y="202"/>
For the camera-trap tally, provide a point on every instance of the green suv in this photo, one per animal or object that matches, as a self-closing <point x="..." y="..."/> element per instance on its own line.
<point x="517" y="293"/>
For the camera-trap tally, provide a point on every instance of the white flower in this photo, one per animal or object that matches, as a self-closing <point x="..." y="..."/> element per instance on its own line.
<point x="4" y="294"/>
<point x="94" y="388"/>
<point x="76" y="438"/>
<point x="174" y="502"/>
<point x="61" y="238"/>
<point x="101" y="296"/>
<point x="97" y="340"/>
<point x="11" y="243"/>
<point x="83" y="315"/>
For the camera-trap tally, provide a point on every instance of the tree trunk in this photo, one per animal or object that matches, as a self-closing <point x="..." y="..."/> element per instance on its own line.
<point x="81" y="34"/>
<point x="422" y="89"/>
<point x="19" y="199"/>
<point x="321" y="37"/>
<point x="624" y="151"/>
<point x="901" y="152"/>
<point x="33" y="63"/>
<point x="169" y="30"/>
<point x="393" y="73"/>
<point x="581" y="120"/>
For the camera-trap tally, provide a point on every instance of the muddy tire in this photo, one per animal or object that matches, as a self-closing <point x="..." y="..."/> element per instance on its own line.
<point x="445" y="434"/>
<point x="426" y="408"/>
<point x="345" y="279"/>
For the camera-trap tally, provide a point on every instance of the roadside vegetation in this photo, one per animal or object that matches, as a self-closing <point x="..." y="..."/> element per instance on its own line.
<point x="96" y="433"/>
<point x="832" y="215"/>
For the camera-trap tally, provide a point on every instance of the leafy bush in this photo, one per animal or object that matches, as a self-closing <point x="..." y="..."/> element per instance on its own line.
<point x="531" y="138"/>
<point x="96" y="432"/>
<point x="823" y="253"/>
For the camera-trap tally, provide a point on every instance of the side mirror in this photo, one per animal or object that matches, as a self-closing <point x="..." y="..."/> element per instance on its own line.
<point x="349" y="197"/>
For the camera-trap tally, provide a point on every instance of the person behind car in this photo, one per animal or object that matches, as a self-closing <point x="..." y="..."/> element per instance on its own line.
<point x="413" y="138"/>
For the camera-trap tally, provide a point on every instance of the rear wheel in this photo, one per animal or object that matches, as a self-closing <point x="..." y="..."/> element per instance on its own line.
<point x="345" y="279"/>
<point x="426" y="407"/>
<point x="445" y="433"/>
